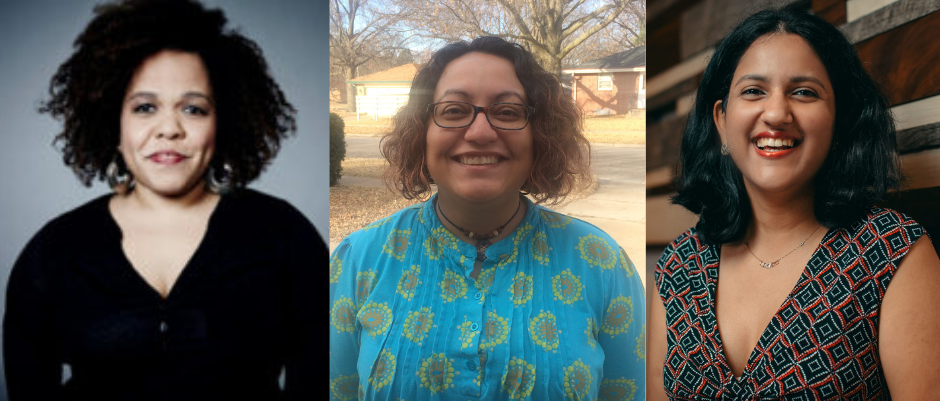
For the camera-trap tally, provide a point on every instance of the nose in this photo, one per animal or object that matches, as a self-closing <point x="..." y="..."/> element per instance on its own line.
<point x="777" y="110"/>
<point x="170" y="127"/>
<point x="480" y="131"/>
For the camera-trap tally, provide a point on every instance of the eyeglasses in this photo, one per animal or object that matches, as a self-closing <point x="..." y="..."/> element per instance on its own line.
<point x="507" y="116"/>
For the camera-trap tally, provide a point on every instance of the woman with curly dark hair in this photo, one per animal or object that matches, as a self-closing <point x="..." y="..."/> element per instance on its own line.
<point x="479" y="291"/>
<point x="183" y="284"/>
<point x="787" y="150"/>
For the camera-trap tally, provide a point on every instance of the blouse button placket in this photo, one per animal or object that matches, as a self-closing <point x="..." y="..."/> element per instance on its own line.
<point x="474" y="307"/>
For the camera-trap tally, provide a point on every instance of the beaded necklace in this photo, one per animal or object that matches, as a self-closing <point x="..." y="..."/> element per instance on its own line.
<point x="483" y="241"/>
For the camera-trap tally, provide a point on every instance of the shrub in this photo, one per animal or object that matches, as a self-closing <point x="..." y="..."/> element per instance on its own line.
<point x="337" y="147"/>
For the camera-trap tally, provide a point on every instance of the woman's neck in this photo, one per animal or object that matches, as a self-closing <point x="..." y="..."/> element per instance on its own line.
<point x="779" y="217"/>
<point x="144" y="199"/>
<point x="480" y="218"/>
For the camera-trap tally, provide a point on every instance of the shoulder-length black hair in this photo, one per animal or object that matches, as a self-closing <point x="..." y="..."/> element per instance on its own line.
<point x="860" y="168"/>
<point x="87" y="91"/>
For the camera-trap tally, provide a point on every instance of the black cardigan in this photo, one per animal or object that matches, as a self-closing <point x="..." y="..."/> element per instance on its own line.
<point x="239" y="313"/>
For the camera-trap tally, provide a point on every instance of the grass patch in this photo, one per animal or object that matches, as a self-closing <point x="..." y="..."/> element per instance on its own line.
<point x="625" y="122"/>
<point x="365" y="130"/>
<point x="629" y="137"/>
<point x="366" y="126"/>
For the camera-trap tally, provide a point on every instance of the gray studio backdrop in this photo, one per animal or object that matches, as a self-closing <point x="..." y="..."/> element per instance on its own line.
<point x="36" y="36"/>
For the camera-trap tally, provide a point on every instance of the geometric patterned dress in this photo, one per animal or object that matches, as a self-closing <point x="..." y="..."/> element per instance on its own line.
<point x="556" y="313"/>
<point x="822" y="343"/>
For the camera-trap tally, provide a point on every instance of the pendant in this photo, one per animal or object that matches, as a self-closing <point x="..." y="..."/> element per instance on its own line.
<point x="481" y="249"/>
<point x="768" y="265"/>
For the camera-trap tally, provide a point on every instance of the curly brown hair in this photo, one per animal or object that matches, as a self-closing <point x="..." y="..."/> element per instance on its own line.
<point x="87" y="91"/>
<point x="562" y="154"/>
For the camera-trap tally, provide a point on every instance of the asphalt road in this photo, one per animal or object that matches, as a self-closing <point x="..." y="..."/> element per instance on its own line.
<point x="362" y="146"/>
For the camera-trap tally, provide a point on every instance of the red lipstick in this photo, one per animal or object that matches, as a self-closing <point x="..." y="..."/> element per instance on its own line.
<point x="771" y="135"/>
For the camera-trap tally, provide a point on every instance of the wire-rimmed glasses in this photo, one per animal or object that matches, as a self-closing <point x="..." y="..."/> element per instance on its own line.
<point x="505" y="116"/>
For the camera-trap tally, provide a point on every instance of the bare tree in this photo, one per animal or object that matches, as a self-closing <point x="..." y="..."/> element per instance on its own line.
<point x="633" y="21"/>
<point x="627" y="31"/>
<point x="359" y="33"/>
<point x="550" y="29"/>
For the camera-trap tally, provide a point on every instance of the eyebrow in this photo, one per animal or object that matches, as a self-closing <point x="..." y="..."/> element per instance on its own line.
<point x="187" y="95"/>
<point x="799" y="79"/>
<point x="500" y="95"/>
<point x="796" y="79"/>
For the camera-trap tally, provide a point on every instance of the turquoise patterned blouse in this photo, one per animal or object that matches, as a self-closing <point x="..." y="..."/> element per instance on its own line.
<point x="557" y="312"/>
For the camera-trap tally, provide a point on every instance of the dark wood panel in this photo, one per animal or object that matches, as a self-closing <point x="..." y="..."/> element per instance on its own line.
<point x="887" y="18"/>
<point x="832" y="11"/>
<point x="674" y="93"/>
<point x="923" y="205"/>
<point x="664" y="45"/>
<point x="660" y="14"/>
<point x="905" y="59"/>
<point x="663" y="140"/>
<point x="709" y="21"/>
<point x="919" y="138"/>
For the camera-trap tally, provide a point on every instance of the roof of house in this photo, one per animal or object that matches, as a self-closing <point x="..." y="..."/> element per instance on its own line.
<point x="402" y="74"/>
<point x="632" y="59"/>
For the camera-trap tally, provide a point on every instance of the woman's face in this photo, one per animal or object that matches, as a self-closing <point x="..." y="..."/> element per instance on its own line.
<point x="479" y="163"/>
<point x="780" y="114"/>
<point x="168" y="123"/>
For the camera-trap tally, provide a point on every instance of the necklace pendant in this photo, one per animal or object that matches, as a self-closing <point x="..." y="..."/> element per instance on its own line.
<point x="768" y="265"/>
<point x="481" y="248"/>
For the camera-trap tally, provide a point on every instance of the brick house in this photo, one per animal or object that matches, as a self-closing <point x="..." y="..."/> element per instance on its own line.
<point x="615" y="84"/>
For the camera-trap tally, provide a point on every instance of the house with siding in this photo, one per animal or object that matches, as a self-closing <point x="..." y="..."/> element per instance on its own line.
<point x="384" y="92"/>
<point x="615" y="84"/>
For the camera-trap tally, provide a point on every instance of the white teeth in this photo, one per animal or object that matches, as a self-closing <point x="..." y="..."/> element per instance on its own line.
<point x="478" y="160"/>
<point x="764" y="142"/>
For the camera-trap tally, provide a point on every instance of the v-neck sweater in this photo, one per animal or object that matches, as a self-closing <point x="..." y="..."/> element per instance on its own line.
<point x="822" y="343"/>
<point x="237" y="315"/>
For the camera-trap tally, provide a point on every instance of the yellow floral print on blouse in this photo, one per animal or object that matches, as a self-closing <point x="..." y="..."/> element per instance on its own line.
<point x="555" y="304"/>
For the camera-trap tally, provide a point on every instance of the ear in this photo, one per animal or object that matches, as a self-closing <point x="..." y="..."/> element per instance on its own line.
<point x="719" y="116"/>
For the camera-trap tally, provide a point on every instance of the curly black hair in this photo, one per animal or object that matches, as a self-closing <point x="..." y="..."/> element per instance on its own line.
<point x="861" y="167"/>
<point x="87" y="91"/>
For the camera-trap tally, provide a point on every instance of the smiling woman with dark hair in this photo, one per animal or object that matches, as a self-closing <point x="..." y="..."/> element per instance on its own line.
<point x="182" y="284"/>
<point x="480" y="292"/>
<point x="790" y="144"/>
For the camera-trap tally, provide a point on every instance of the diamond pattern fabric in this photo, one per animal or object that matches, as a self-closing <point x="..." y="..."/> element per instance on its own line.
<point x="822" y="343"/>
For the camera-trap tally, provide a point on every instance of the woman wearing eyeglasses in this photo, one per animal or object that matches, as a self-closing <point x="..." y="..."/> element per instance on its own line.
<point x="479" y="292"/>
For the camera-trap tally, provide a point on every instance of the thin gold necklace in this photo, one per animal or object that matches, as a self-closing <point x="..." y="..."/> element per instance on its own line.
<point x="767" y="265"/>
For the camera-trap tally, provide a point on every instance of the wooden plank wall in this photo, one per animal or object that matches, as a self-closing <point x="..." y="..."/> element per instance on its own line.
<point x="897" y="43"/>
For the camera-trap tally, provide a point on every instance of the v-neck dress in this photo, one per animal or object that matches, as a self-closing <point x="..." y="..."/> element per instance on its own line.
<point x="822" y="343"/>
<point x="240" y="312"/>
<point x="556" y="313"/>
